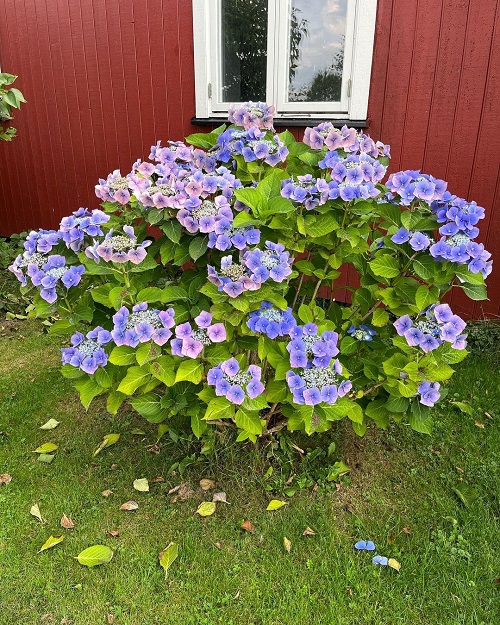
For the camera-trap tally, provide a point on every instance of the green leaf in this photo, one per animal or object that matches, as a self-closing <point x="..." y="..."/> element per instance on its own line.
<point x="207" y="508"/>
<point x="173" y="230"/>
<point x="467" y="276"/>
<point x="107" y="441"/>
<point x="380" y="317"/>
<point x="46" y="448"/>
<point x="425" y="267"/>
<point x="46" y="458"/>
<point x="146" y="352"/>
<point x="51" y="541"/>
<point x="420" y="418"/>
<point x="385" y="266"/>
<point x="190" y="371"/>
<point x="50" y="425"/>
<point x="243" y="219"/>
<point x="168" y="556"/>
<point x="475" y="292"/>
<point x="142" y="485"/>
<point x="136" y="377"/>
<point x="426" y="296"/>
<point x="122" y="355"/>
<point x="321" y="225"/>
<point x="150" y="294"/>
<point x="394" y="365"/>
<point x="219" y="408"/>
<point x="198" y="247"/>
<point x="88" y="389"/>
<point x="305" y="313"/>
<point x="249" y="421"/>
<point x="93" y="556"/>
<point x="198" y="425"/>
<point x="466" y="494"/>
<point x="173" y="294"/>
<point x="163" y="369"/>
<point x="275" y="504"/>
<point x="149" y="407"/>
<point x="114" y="401"/>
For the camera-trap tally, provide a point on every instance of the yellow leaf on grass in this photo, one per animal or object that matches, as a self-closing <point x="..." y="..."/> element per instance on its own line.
<point x="276" y="504"/>
<point x="107" y="441"/>
<point x="207" y="508"/>
<point x="35" y="511"/>
<point x="141" y="485"/>
<point x="394" y="564"/>
<point x="50" y="425"/>
<point x="168" y="555"/>
<point x="45" y="448"/>
<point x="51" y="541"/>
<point x="288" y="544"/>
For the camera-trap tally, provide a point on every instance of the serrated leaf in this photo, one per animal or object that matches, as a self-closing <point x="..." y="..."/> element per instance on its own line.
<point x="51" y="541"/>
<point x="207" y="508"/>
<point x="46" y="448"/>
<point x="168" y="556"/>
<point x="275" y="504"/>
<point x="385" y="266"/>
<point x="107" y="441"/>
<point x="197" y="247"/>
<point x="50" y="425"/>
<point x="142" y="485"/>
<point x="189" y="371"/>
<point x="95" y="555"/>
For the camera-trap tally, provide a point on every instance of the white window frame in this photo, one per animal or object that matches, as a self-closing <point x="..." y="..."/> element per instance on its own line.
<point x="357" y="63"/>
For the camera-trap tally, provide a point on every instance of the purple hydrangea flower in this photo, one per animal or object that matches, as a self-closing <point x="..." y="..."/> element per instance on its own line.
<point x="119" y="248"/>
<point x="142" y="325"/>
<point x="459" y="249"/>
<point x="432" y="328"/>
<point x="315" y="385"/>
<point x="42" y="241"/>
<point x="361" y="333"/>
<point x="230" y="382"/>
<point x="308" y="347"/>
<point x="412" y="185"/>
<point x="346" y="139"/>
<point x="271" y="321"/>
<point x="87" y="352"/>
<point x="190" y="343"/>
<point x="252" y="114"/>
<point x="306" y="190"/>
<point x="252" y="144"/>
<point x="205" y="216"/>
<point x="224" y="236"/>
<point x="364" y="545"/>
<point x="362" y="169"/>
<point x="74" y="228"/>
<point x="429" y="393"/>
<point x="116" y="188"/>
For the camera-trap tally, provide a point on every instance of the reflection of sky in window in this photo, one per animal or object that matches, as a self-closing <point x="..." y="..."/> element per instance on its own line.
<point x="325" y="31"/>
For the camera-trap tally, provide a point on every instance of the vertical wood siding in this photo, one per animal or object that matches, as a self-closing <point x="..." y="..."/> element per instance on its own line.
<point x="106" y="79"/>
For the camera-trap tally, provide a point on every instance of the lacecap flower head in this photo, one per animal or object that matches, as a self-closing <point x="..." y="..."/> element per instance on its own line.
<point x="250" y="114"/>
<point x="307" y="346"/>
<point x="190" y="342"/>
<point x="362" y="332"/>
<point x="432" y="328"/>
<point x="116" y="188"/>
<point x="306" y="190"/>
<point x="52" y="273"/>
<point x="412" y="185"/>
<point x="42" y="241"/>
<point x="119" y="248"/>
<point x="205" y="215"/>
<point x="224" y="236"/>
<point x="271" y="321"/>
<point x="233" y="384"/>
<point x="74" y="228"/>
<point x="315" y="385"/>
<point x="87" y="352"/>
<point x="142" y="325"/>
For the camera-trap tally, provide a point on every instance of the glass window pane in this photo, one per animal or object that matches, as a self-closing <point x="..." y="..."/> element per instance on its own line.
<point x="244" y="50"/>
<point x="316" y="50"/>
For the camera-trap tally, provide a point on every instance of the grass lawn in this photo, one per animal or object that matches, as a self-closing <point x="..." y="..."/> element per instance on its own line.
<point x="399" y="494"/>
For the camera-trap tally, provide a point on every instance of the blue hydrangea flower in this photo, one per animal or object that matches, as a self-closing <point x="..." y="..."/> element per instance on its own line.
<point x="429" y="393"/>
<point x="87" y="352"/>
<point x="354" y="168"/>
<point x="190" y="343"/>
<point x="432" y="328"/>
<point x="363" y="545"/>
<point x="412" y="185"/>
<point x="116" y="188"/>
<point x="316" y="385"/>
<point x="346" y="139"/>
<point x="42" y="241"/>
<point x="119" y="248"/>
<point x="459" y="249"/>
<point x="306" y="190"/>
<point x="205" y="216"/>
<point x="362" y="333"/>
<point x="308" y="347"/>
<point x="457" y="215"/>
<point x="380" y="560"/>
<point x="224" y="236"/>
<point x="52" y="273"/>
<point x="233" y="384"/>
<point x="74" y="228"/>
<point x="252" y="114"/>
<point x="271" y="321"/>
<point x="252" y="144"/>
<point x="142" y="325"/>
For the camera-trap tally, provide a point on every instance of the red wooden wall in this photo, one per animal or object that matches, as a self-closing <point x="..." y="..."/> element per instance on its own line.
<point x="105" y="79"/>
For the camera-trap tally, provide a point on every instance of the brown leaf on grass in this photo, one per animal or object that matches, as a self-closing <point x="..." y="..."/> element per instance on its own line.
<point x="156" y="480"/>
<point x="218" y="545"/>
<point x="66" y="522"/>
<point x="406" y="530"/>
<point x="287" y="544"/>
<point x="391" y="539"/>
<point x="35" y="511"/>
<point x="308" y="532"/>
<point x="248" y="526"/>
<point x="5" y="478"/>
<point x="207" y="484"/>
<point x="110" y="618"/>
<point x="129" y="505"/>
<point x="479" y="424"/>
<point x="106" y="493"/>
<point x="113" y="533"/>
<point x="487" y="415"/>
<point x="183" y="492"/>
<point x="219" y="497"/>
<point x="349" y="508"/>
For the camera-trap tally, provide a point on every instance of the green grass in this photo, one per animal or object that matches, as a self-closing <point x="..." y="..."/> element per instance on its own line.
<point x="399" y="479"/>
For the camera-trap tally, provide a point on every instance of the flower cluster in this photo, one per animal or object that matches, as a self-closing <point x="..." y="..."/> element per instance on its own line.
<point x="27" y="263"/>
<point x="252" y="114"/>
<point x="271" y="321"/>
<point x="306" y="190"/>
<point x="42" y="241"/>
<point x="162" y="193"/>
<point x="229" y="381"/>
<point x="252" y="144"/>
<point x="142" y="325"/>
<point x="256" y="267"/>
<point x="119" y="248"/>
<point x="418" y="240"/>
<point x="225" y="236"/>
<point x="307" y="345"/>
<point x="191" y="342"/>
<point x="314" y="385"/>
<point x="87" y="352"/>
<point x="116" y="188"/>
<point x="344" y="138"/>
<point x="461" y="250"/>
<point x="361" y="333"/>
<point x="50" y="273"/>
<point x="432" y="328"/>
<point x="354" y="168"/>
<point x="204" y="218"/>
<point x="412" y="185"/>
<point x="74" y="228"/>
<point x="177" y="158"/>
<point x="429" y="393"/>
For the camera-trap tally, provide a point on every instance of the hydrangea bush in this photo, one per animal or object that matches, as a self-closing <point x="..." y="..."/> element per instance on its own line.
<point x="210" y="282"/>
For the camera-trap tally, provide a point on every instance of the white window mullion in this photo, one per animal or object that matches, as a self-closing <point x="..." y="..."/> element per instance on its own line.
<point x="272" y="50"/>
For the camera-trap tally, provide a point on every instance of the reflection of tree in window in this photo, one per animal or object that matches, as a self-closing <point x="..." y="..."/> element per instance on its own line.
<point x="244" y="48"/>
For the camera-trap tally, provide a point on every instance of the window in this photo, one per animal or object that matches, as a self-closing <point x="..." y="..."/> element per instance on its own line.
<point x="310" y="58"/>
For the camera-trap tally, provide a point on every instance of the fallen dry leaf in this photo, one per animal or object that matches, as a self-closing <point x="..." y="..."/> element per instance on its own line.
<point x="35" y="511"/>
<point x="207" y="484"/>
<point x="106" y="493"/>
<point x="391" y="539"/>
<point x="220" y="497"/>
<point x="487" y="415"/>
<point x="5" y="478"/>
<point x="129" y="505"/>
<point x="308" y="532"/>
<point x="110" y="618"/>
<point x="248" y="526"/>
<point x="206" y="508"/>
<point x="142" y="485"/>
<point x="237" y="595"/>
<point x="156" y="480"/>
<point x="479" y="424"/>
<point x="66" y="522"/>
<point x="288" y="544"/>
<point x="183" y="492"/>
<point x="218" y="545"/>
<point x="406" y="530"/>
<point x="113" y="533"/>
<point x="459" y="469"/>
<point x="394" y="564"/>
